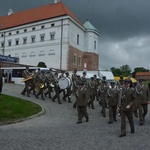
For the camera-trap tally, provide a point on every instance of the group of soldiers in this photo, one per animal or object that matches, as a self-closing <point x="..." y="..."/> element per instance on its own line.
<point x="124" y="97"/>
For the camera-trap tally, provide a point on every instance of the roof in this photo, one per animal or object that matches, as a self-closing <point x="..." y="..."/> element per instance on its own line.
<point x="124" y="78"/>
<point x="89" y="26"/>
<point x="36" y="14"/>
<point x="142" y="74"/>
<point x="108" y="74"/>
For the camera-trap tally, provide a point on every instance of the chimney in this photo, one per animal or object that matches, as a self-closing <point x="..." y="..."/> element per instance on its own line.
<point x="10" y="12"/>
<point x="56" y="1"/>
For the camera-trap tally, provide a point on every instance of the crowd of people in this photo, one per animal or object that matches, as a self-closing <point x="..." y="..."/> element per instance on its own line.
<point x="123" y="98"/>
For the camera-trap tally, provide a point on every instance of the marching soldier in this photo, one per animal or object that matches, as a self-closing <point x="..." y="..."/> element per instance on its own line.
<point x="82" y="99"/>
<point x="83" y="78"/>
<point x="76" y="86"/>
<point x="25" y="75"/>
<point x="33" y="82"/>
<point x="143" y="96"/>
<point x="41" y="84"/>
<point x="103" y="96"/>
<point x="97" y="83"/>
<point x="56" y="88"/>
<point x="63" y="90"/>
<point x="73" y="78"/>
<point x="68" y="94"/>
<point x="49" y="78"/>
<point x="113" y="101"/>
<point x="126" y="106"/>
<point x="1" y="79"/>
<point x="91" y="92"/>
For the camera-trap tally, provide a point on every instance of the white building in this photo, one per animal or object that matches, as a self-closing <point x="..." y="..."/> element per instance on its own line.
<point x="50" y="34"/>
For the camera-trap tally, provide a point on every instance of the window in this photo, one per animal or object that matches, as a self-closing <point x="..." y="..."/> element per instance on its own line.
<point x="78" y="39"/>
<point x="74" y="60"/>
<point x="25" y="30"/>
<point x="41" y="53"/>
<point x="17" y="32"/>
<point x="79" y="61"/>
<point x="94" y="65"/>
<point x="33" y="39"/>
<point x="32" y="54"/>
<point x="33" y="28"/>
<point x="42" y="27"/>
<point x="24" y="54"/>
<point x="2" y="44"/>
<point x="25" y="40"/>
<point x="42" y="37"/>
<point x="53" y="24"/>
<point x="94" y="45"/>
<point x="2" y="35"/>
<point x="9" y="33"/>
<point x="17" y="41"/>
<point x="52" y="35"/>
<point x="9" y="43"/>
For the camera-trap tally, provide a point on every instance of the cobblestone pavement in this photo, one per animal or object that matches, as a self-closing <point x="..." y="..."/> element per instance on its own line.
<point x="56" y="129"/>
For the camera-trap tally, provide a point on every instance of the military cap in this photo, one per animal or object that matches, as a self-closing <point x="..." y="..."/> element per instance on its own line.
<point x="84" y="72"/>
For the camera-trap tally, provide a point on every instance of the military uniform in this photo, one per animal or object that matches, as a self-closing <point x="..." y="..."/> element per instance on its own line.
<point x="103" y="96"/>
<point x="92" y="93"/>
<point x="26" y="74"/>
<point x="1" y="79"/>
<point x="73" y="78"/>
<point x="68" y="94"/>
<point x="41" y="85"/>
<point x="128" y="97"/>
<point x="49" y="78"/>
<point x="143" y="97"/>
<point x="113" y="101"/>
<point x="57" y="89"/>
<point x="76" y="86"/>
<point x="82" y="100"/>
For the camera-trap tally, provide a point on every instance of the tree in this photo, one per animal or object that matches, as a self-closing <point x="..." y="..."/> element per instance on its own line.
<point x="42" y="64"/>
<point x="116" y="71"/>
<point x="126" y="70"/>
<point x="139" y="69"/>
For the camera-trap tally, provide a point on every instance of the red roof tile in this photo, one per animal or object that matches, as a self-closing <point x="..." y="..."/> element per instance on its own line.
<point x="142" y="74"/>
<point x="36" y="14"/>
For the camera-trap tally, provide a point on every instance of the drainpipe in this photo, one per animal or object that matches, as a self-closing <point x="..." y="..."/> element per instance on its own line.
<point x="61" y="44"/>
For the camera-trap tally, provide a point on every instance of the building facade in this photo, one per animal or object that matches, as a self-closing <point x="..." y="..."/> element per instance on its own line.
<point x="50" y="34"/>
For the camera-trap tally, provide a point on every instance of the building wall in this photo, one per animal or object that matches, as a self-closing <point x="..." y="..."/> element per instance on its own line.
<point x="50" y="50"/>
<point x="91" y="59"/>
<point x="47" y="51"/>
<point x="91" y="42"/>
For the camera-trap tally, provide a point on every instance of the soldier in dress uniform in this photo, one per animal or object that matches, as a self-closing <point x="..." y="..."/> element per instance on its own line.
<point x="97" y="83"/>
<point x="73" y="78"/>
<point x="56" y="88"/>
<point x="113" y="101"/>
<point x="49" y="79"/>
<point x="91" y="84"/>
<point x="25" y="75"/>
<point x="82" y="100"/>
<point x="76" y="86"/>
<point x="1" y="79"/>
<point x="143" y="97"/>
<point x="63" y="90"/>
<point x="126" y="106"/>
<point x="83" y="78"/>
<point x="33" y="82"/>
<point x="41" y="85"/>
<point x="103" y="96"/>
<point x="68" y="94"/>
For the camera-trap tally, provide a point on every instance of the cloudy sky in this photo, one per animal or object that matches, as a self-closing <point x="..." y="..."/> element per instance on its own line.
<point x="124" y="27"/>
